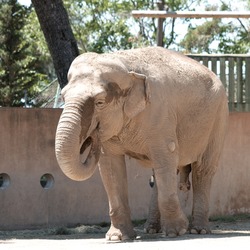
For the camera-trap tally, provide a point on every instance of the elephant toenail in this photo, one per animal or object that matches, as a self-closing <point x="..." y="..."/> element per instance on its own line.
<point x="194" y="231"/>
<point x="183" y="231"/>
<point x="172" y="235"/>
<point x="203" y="231"/>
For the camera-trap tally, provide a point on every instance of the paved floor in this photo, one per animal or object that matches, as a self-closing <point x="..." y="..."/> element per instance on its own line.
<point x="239" y="242"/>
<point x="234" y="235"/>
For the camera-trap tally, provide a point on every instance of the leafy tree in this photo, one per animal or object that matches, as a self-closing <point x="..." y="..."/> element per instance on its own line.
<point x="38" y="46"/>
<point x="227" y="37"/>
<point x="106" y="25"/>
<point x="18" y="73"/>
<point x="99" y="25"/>
<point x="102" y="26"/>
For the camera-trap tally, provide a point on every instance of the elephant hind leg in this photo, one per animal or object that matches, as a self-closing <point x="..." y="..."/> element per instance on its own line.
<point x="153" y="223"/>
<point x="185" y="184"/>
<point x="203" y="171"/>
<point x="201" y="182"/>
<point x="202" y="175"/>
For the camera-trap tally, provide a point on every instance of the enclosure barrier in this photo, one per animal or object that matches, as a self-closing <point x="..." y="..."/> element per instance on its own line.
<point x="234" y="72"/>
<point x="34" y="192"/>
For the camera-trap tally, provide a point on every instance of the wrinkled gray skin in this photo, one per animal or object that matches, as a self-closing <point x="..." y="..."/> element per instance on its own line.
<point x="161" y="108"/>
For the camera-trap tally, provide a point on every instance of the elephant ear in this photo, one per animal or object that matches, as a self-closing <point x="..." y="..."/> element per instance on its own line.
<point x="138" y="96"/>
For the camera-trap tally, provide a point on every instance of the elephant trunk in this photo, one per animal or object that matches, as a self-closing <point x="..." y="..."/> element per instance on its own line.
<point x="73" y="138"/>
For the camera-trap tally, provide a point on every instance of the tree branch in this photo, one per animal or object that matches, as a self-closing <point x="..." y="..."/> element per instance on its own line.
<point x="172" y="33"/>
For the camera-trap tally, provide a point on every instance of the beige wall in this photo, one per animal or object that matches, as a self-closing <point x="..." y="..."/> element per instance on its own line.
<point x="27" y="153"/>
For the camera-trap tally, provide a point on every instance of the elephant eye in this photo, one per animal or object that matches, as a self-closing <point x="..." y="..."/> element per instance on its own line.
<point x="100" y="103"/>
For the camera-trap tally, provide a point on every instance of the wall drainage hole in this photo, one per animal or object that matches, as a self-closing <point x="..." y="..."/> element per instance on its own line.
<point x="4" y="181"/>
<point x="47" y="181"/>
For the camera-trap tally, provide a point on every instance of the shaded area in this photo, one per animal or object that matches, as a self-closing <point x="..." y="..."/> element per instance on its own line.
<point x="224" y="226"/>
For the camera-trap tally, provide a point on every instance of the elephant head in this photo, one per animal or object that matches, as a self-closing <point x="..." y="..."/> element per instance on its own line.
<point x="100" y="95"/>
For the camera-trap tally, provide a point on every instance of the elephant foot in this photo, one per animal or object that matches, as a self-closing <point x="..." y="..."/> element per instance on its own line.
<point x="122" y="234"/>
<point x="200" y="231"/>
<point x="152" y="227"/>
<point x="200" y="228"/>
<point x="175" y="227"/>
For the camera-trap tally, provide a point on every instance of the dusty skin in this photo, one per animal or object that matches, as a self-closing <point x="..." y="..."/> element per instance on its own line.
<point x="157" y="106"/>
<point x="232" y="234"/>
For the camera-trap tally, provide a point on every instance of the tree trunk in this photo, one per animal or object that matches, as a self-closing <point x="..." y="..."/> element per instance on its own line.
<point x="55" y="25"/>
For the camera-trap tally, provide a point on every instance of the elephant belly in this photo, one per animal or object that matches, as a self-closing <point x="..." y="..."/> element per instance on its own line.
<point x="117" y="147"/>
<point x="191" y="151"/>
<point x="137" y="156"/>
<point x="142" y="159"/>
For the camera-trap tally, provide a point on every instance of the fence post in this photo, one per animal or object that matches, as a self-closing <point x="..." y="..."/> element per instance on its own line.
<point x="223" y="71"/>
<point x="231" y="86"/>
<point x="239" y="84"/>
<point x="205" y="61"/>
<point x="214" y="64"/>
<point x="248" y="84"/>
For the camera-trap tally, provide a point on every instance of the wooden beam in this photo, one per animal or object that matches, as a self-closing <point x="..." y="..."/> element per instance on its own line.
<point x="190" y="14"/>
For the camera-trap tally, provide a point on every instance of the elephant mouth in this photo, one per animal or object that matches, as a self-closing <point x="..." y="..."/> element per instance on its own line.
<point x="90" y="147"/>
<point x="86" y="144"/>
<point x="85" y="150"/>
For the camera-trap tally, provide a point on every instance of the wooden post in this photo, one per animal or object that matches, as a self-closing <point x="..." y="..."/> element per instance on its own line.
<point x="247" y="84"/>
<point x="160" y="33"/>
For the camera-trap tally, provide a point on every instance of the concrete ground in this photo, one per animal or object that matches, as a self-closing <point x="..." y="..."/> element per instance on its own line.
<point x="225" y="235"/>
<point x="218" y="243"/>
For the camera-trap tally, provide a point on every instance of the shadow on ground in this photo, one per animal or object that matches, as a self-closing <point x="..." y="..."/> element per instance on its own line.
<point x="220" y="229"/>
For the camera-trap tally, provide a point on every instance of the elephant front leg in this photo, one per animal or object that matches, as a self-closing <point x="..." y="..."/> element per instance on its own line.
<point x="173" y="220"/>
<point x="114" y="177"/>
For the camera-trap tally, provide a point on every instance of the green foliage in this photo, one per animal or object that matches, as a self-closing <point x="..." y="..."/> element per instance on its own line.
<point x="38" y="47"/>
<point x="218" y="35"/>
<point x="107" y="25"/>
<point x="18" y="72"/>
<point x="102" y="26"/>
<point x="99" y="25"/>
<point x="199" y="39"/>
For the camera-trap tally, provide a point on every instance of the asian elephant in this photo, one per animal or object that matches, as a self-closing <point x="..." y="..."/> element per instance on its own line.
<point x="158" y="106"/>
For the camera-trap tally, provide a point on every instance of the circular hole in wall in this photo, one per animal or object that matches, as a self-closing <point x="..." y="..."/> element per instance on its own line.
<point x="4" y="181"/>
<point x="47" y="181"/>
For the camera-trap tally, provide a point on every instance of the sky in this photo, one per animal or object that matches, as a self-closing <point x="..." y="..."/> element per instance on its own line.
<point x="25" y="2"/>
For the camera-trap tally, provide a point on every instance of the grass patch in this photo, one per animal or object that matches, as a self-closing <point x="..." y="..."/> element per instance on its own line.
<point x="81" y="229"/>
<point x="62" y="231"/>
<point x="104" y="224"/>
<point x="230" y="218"/>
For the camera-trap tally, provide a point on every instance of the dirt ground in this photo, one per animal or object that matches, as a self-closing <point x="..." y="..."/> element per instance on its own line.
<point x="227" y="233"/>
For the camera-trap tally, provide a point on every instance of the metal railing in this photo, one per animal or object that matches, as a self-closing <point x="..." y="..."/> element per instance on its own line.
<point x="234" y="72"/>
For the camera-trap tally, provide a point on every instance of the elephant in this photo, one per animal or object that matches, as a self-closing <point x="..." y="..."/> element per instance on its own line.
<point x="161" y="108"/>
<point x="153" y="224"/>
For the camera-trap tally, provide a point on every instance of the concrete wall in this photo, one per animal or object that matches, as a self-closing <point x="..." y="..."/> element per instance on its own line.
<point x="27" y="153"/>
